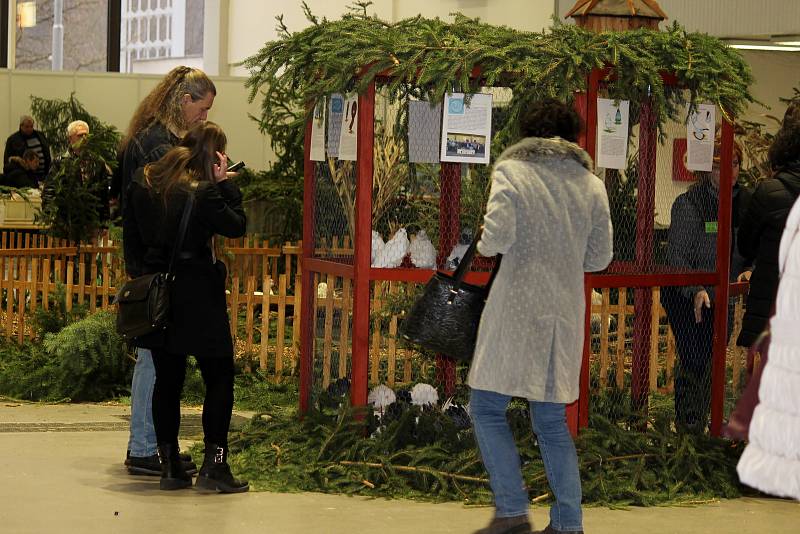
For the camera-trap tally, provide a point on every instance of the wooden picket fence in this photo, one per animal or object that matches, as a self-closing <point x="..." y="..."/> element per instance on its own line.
<point x="264" y="291"/>
<point x="263" y="287"/>
<point x="392" y="363"/>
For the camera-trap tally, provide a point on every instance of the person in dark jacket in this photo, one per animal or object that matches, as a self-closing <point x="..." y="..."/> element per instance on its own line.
<point x="692" y="246"/>
<point x="199" y="318"/>
<point x="762" y="226"/>
<point x="22" y="171"/>
<point x="27" y="138"/>
<point x="180" y="101"/>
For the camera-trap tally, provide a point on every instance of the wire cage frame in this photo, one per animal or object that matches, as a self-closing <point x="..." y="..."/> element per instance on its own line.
<point x="638" y="274"/>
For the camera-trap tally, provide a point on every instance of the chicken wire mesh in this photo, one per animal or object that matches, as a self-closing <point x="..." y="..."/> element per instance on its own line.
<point x="649" y="347"/>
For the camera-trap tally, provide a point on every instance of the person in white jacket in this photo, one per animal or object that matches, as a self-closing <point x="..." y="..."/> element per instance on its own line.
<point x="549" y="217"/>
<point x="771" y="460"/>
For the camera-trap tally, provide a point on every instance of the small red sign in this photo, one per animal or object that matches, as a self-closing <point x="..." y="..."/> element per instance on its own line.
<point x="679" y="171"/>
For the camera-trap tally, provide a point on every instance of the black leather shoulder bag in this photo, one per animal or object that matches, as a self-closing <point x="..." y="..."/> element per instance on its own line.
<point x="445" y="319"/>
<point x="143" y="306"/>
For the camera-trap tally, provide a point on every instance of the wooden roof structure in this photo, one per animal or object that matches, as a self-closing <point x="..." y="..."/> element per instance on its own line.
<point x="600" y="15"/>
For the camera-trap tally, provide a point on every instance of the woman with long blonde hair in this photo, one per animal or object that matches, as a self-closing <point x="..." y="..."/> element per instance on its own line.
<point x="199" y="324"/>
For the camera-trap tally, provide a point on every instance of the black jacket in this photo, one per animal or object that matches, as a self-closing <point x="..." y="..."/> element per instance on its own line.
<point x="759" y="238"/>
<point x="17" y="144"/>
<point x="16" y="175"/>
<point x="148" y="146"/>
<point x="200" y="323"/>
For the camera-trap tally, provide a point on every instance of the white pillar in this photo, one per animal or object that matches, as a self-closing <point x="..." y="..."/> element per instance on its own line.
<point x="58" y="35"/>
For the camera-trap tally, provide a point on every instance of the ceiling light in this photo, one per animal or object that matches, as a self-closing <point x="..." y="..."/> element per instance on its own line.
<point x="26" y="14"/>
<point x="766" y="47"/>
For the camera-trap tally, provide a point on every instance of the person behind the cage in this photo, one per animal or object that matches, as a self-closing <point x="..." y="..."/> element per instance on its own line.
<point x="692" y="246"/>
<point x="548" y="215"/>
<point x="181" y="100"/>
<point x="199" y="318"/>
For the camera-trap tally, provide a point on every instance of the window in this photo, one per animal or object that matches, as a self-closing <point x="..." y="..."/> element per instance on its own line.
<point x="157" y="35"/>
<point x="85" y="34"/>
<point x="146" y="36"/>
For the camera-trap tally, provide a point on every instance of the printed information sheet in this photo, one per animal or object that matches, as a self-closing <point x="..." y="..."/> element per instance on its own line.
<point x="700" y="131"/>
<point x="612" y="133"/>
<point x="466" y="128"/>
<point x="335" y="112"/>
<point x="318" y="132"/>
<point x="348" y="140"/>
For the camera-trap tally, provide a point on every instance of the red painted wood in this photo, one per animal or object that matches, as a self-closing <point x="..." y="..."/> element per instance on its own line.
<point x="449" y="232"/>
<point x="307" y="279"/>
<point x="722" y="289"/>
<point x="362" y="247"/>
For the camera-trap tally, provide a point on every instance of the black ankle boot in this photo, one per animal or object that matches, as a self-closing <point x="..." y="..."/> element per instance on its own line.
<point x="215" y="474"/>
<point x="173" y="473"/>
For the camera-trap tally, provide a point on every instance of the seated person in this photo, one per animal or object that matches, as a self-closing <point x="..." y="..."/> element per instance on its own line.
<point x="21" y="172"/>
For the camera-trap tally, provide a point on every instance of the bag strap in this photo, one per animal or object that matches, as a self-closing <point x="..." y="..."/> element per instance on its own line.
<point x="187" y="212"/>
<point x="465" y="263"/>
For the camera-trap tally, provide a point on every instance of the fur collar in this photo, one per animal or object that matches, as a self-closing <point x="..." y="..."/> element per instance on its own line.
<point x="536" y="149"/>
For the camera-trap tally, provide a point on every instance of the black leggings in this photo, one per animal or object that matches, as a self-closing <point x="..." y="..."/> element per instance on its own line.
<point x="170" y="373"/>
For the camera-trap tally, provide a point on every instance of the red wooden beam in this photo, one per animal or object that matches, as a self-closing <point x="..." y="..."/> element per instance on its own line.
<point x="362" y="247"/>
<point x="307" y="278"/>
<point x="722" y="289"/>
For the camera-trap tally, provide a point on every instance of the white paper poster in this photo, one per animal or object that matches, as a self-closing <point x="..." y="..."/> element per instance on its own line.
<point x="612" y="133"/>
<point x="318" y="132"/>
<point x="335" y="112"/>
<point x="700" y="133"/>
<point x="348" y="139"/>
<point x="466" y="129"/>
<point x="424" y="125"/>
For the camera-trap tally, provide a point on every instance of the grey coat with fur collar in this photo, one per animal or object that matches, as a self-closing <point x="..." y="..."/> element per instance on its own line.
<point x="548" y="215"/>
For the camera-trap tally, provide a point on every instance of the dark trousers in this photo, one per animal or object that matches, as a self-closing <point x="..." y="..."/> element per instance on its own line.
<point x="217" y="406"/>
<point x="694" y="342"/>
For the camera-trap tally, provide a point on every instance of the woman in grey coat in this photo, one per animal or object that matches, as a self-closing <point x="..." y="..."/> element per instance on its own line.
<point x="549" y="217"/>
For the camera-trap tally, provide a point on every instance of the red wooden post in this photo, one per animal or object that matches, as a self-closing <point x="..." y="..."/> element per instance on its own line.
<point x="449" y="233"/>
<point x="307" y="279"/>
<point x="362" y="247"/>
<point x="586" y="106"/>
<point x="643" y="296"/>
<point x="721" y="291"/>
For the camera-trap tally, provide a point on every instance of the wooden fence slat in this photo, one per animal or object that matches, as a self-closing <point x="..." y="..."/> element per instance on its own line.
<point x="234" y="304"/>
<point x="296" y="311"/>
<point x="391" y="342"/>
<point x="281" y="330"/>
<point x="22" y="288"/>
<point x="604" y="320"/>
<point x="375" y="353"/>
<point x="327" y="341"/>
<point x="251" y="289"/>
<point x="344" y="328"/>
<point x="264" y="351"/>
<point x="621" y="327"/>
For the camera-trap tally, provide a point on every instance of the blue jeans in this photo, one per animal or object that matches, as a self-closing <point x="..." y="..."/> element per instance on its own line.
<point x="501" y="458"/>
<point x="142" y="441"/>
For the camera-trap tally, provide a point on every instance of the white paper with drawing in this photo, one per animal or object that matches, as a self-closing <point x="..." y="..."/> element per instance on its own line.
<point x="612" y="133"/>
<point x="348" y="140"/>
<point x="467" y="128"/>
<point x="700" y="132"/>
<point x="318" y="132"/>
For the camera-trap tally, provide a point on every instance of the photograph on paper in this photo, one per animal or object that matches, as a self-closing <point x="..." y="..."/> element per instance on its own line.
<point x="466" y="128"/>
<point x="466" y="145"/>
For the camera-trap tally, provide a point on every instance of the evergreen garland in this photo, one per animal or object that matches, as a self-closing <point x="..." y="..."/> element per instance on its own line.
<point x="429" y="57"/>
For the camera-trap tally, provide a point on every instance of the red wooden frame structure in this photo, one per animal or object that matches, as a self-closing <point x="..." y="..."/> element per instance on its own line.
<point x="639" y="274"/>
<point x="642" y="274"/>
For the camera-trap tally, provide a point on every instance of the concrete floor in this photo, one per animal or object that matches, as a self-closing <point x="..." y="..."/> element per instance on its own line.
<point x="61" y="472"/>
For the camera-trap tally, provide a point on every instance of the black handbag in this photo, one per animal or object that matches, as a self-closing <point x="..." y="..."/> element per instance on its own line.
<point x="445" y="319"/>
<point x="143" y="306"/>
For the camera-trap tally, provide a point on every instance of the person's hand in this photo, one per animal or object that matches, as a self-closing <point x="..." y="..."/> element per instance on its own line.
<point x="701" y="299"/>
<point x="744" y="277"/>
<point x="221" y="168"/>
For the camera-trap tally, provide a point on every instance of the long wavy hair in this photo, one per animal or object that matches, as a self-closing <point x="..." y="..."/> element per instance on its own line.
<point x="784" y="152"/>
<point x="192" y="159"/>
<point x="163" y="104"/>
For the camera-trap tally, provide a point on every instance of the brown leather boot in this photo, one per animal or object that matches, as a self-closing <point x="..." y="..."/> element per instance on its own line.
<point x="507" y="525"/>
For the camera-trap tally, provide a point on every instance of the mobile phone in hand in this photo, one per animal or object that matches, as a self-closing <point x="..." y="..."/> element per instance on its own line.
<point x="236" y="166"/>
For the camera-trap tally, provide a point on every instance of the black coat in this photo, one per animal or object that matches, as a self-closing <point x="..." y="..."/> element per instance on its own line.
<point x="147" y="146"/>
<point x="17" y="144"/>
<point x="18" y="176"/>
<point x="759" y="238"/>
<point x="200" y="323"/>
